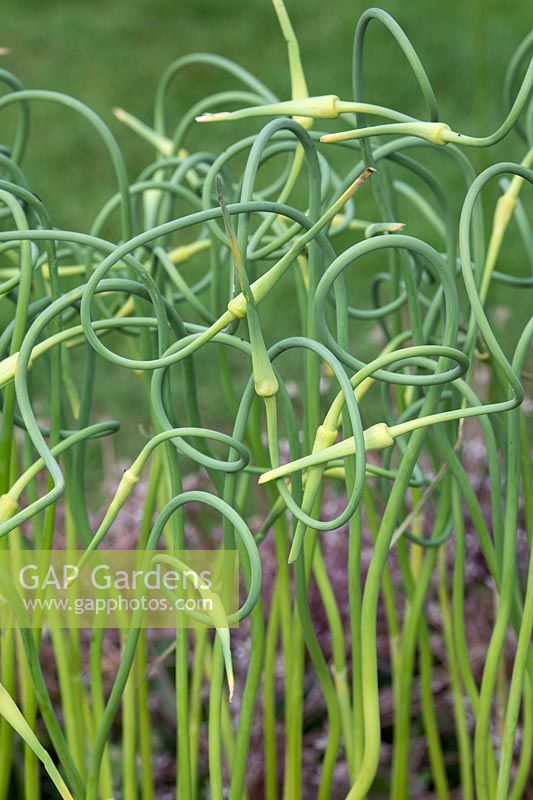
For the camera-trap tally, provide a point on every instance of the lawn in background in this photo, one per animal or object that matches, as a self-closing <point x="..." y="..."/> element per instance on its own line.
<point x="112" y="54"/>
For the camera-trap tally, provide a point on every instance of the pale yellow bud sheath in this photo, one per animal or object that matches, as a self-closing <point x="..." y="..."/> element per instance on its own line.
<point x="377" y="437"/>
<point x="324" y="106"/>
<point x="261" y="287"/>
<point x="434" y="132"/>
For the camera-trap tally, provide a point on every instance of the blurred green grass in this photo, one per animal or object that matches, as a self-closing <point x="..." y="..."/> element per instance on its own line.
<point x="110" y="54"/>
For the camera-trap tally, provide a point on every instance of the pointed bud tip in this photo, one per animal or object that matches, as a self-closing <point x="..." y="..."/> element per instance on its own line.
<point x="208" y="117"/>
<point x="366" y="173"/>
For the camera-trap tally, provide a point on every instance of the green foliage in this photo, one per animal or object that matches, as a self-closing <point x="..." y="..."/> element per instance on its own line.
<point x="214" y="296"/>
